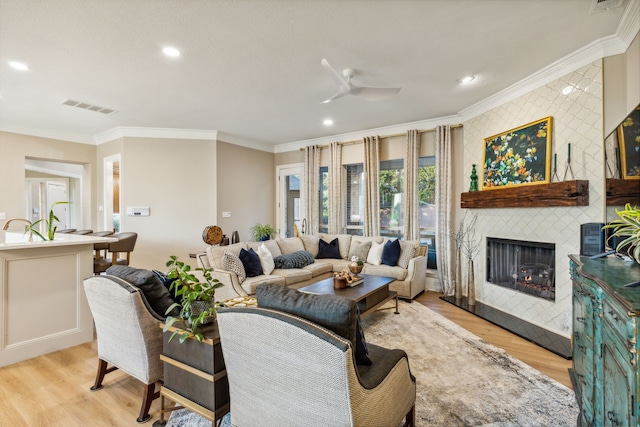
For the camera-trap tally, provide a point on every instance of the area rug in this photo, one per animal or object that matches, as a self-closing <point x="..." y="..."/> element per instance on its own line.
<point x="461" y="379"/>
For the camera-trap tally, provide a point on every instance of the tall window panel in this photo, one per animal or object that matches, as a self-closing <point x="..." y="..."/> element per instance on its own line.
<point x="427" y="197"/>
<point x="392" y="198"/>
<point x="323" y="198"/>
<point x="354" y="198"/>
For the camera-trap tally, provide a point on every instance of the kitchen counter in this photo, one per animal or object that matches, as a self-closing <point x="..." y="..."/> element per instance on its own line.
<point x="43" y="307"/>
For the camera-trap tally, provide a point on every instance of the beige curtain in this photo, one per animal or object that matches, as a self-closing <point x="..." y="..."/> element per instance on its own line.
<point x="335" y="188"/>
<point x="444" y="197"/>
<point x="411" y="197"/>
<point x="372" y="186"/>
<point x="311" y="176"/>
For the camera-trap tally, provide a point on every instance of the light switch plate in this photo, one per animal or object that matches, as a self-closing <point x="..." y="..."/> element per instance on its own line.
<point x="3" y="215"/>
<point x="226" y="214"/>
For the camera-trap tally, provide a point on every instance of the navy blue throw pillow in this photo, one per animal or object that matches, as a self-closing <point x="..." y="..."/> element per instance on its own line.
<point x="391" y="252"/>
<point x="167" y="284"/>
<point x="251" y="262"/>
<point x="328" y="250"/>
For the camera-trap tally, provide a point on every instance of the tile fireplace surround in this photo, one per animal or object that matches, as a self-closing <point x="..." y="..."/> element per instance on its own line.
<point x="577" y="120"/>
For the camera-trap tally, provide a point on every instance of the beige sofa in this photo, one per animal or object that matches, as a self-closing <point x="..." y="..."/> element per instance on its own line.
<point x="410" y="281"/>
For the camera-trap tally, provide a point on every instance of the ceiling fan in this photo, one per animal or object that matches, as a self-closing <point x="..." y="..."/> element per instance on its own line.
<point x="346" y="88"/>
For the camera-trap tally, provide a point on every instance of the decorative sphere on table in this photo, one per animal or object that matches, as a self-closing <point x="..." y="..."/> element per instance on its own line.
<point x="474" y="179"/>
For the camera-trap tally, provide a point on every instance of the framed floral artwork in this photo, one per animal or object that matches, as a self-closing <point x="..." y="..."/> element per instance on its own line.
<point x="629" y="141"/>
<point x="520" y="156"/>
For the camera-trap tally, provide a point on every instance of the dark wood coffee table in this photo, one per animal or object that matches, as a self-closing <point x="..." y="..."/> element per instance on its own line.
<point x="369" y="295"/>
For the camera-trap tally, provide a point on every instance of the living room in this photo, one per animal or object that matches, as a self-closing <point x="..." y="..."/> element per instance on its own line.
<point x="189" y="178"/>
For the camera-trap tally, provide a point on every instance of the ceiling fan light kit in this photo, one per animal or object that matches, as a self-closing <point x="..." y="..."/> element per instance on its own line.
<point x="345" y="87"/>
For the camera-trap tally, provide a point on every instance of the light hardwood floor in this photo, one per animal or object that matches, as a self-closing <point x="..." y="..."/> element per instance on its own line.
<point x="53" y="390"/>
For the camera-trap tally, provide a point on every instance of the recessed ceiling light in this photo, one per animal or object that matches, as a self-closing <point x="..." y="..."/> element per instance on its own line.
<point x="171" y="51"/>
<point x="328" y="122"/>
<point x="19" y="65"/>
<point x="467" y="79"/>
<point x="567" y="90"/>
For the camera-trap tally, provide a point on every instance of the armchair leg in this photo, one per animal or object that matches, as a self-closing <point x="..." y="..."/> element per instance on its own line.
<point x="150" y="394"/>
<point x="410" y="418"/>
<point x="102" y="371"/>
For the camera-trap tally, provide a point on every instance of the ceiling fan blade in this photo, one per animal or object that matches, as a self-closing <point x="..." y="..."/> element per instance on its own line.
<point x="374" y="93"/>
<point x="334" y="75"/>
<point x="340" y="94"/>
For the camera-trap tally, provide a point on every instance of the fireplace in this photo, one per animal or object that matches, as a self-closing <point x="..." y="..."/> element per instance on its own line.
<point x="527" y="267"/>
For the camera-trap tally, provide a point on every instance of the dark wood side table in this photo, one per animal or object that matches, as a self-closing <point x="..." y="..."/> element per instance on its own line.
<point x="194" y="375"/>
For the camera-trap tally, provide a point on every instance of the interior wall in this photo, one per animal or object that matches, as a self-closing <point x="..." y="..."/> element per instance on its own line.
<point x="176" y="179"/>
<point x="14" y="148"/>
<point x="246" y="189"/>
<point x="621" y="78"/>
<point x="577" y="120"/>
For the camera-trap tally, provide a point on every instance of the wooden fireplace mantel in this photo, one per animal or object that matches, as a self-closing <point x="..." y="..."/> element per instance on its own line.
<point x="622" y="191"/>
<point x="565" y="193"/>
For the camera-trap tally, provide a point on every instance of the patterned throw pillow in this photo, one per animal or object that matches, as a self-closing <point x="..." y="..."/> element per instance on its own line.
<point x="231" y="262"/>
<point x="407" y="251"/>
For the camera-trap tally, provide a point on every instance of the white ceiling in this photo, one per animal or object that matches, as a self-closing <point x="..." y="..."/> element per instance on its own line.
<point x="251" y="69"/>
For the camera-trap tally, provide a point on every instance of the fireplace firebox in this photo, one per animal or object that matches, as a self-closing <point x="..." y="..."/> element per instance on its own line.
<point x="527" y="267"/>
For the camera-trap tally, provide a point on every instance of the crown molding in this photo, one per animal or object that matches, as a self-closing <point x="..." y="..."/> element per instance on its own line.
<point x="160" y="133"/>
<point x="381" y="131"/>
<point x="244" y="142"/>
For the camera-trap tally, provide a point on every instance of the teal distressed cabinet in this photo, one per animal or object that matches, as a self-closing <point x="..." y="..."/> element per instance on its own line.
<point x="605" y="340"/>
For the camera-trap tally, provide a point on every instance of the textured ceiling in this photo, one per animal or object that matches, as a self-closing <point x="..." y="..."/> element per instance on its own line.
<point x="251" y="69"/>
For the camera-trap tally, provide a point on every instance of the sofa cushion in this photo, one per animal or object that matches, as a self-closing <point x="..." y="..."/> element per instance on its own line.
<point x="391" y="252"/>
<point x="310" y="243"/>
<point x="319" y="268"/>
<point x="396" y="272"/>
<point x="251" y="262"/>
<point x="252" y="283"/>
<point x="375" y="253"/>
<point x="215" y="253"/>
<point x="293" y="276"/>
<point x="290" y="245"/>
<point x="333" y="312"/>
<point x="231" y="262"/>
<point x="153" y="291"/>
<point x="296" y="259"/>
<point x="328" y="250"/>
<point x="360" y="250"/>
<point x="266" y="259"/>
<point x="407" y="251"/>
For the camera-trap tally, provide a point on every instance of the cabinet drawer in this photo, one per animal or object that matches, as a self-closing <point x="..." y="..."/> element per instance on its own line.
<point x="617" y="319"/>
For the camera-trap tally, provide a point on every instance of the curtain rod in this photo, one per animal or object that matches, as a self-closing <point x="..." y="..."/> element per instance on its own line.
<point x="420" y="131"/>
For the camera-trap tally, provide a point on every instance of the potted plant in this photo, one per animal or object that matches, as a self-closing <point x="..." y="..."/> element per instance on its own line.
<point x="628" y="228"/>
<point x="261" y="232"/>
<point x="197" y="306"/>
<point x="49" y="223"/>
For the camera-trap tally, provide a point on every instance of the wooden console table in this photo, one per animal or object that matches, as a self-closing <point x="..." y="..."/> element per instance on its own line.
<point x="194" y="375"/>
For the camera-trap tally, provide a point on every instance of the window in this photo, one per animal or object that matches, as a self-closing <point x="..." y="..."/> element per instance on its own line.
<point x="427" y="200"/>
<point x="392" y="198"/>
<point x="323" y="197"/>
<point x="354" y="195"/>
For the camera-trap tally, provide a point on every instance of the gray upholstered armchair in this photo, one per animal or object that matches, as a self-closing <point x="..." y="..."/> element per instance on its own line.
<point x="284" y="370"/>
<point x="128" y="332"/>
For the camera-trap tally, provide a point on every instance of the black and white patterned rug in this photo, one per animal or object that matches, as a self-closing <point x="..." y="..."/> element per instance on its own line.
<point x="461" y="379"/>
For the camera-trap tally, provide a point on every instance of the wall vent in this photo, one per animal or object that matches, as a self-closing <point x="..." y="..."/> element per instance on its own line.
<point x="600" y="5"/>
<point x="87" y="106"/>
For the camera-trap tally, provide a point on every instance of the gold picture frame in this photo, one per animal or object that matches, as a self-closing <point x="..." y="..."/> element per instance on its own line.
<point x="520" y="156"/>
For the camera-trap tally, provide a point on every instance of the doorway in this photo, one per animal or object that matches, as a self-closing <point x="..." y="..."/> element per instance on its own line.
<point x="290" y="200"/>
<point x="111" y="207"/>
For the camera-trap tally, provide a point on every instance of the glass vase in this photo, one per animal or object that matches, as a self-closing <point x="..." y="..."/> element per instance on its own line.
<point x="457" y="279"/>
